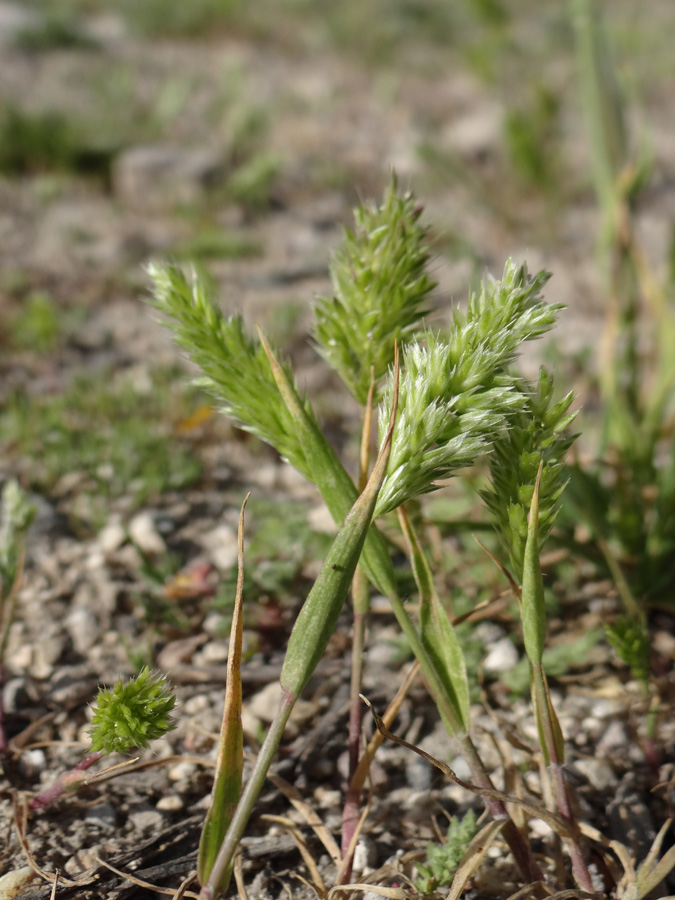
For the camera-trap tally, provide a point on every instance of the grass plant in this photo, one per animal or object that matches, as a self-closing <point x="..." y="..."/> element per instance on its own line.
<point x="434" y="401"/>
<point x="627" y="495"/>
<point x="442" y="399"/>
<point x="457" y="394"/>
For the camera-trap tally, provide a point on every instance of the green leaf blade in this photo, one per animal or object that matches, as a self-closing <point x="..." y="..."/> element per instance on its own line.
<point x="533" y="607"/>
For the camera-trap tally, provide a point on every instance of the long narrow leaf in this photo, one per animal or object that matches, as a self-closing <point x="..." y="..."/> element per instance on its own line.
<point x="475" y="853"/>
<point x="331" y="478"/>
<point x="439" y="638"/>
<point x="318" y="617"/>
<point x="229" y="763"/>
<point x="308" y="640"/>
<point x="651" y="874"/>
<point x="533" y="610"/>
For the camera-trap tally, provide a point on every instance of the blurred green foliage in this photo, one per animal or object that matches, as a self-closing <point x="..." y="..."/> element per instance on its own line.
<point x="114" y="438"/>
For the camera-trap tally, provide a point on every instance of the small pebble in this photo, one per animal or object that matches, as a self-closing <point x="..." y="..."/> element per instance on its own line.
<point x="265" y="703"/>
<point x="501" y="657"/>
<point x="195" y="705"/>
<point x="365" y="856"/>
<point x="221" y="546"/>
<point x="460" y="768"/>
<point x="33" y="763"/>
<point x="214" y="653"/>
<point x="147" y="820"/>
<point x="15" y="695"/>
<point x="598" y="772"/>
<point x="84" y="629"/>
<point x="182" y="771"/>
<point x="216" y="625"/>
<point x="111" y="537"/>
<point x="419" y="774"/>
<point x="170" y="803"/>
<point x="82" y="860"/>
<point x="539" y="828"/>
<point x="144" y="533"/>
<point x="101" y="816"/>
<point x="12" y="884"/>
<point x="615" y="738"/>
<point x="46" y="654"/>
<point x="251" y="724"/>
<point x="327" y="798"/>
<point x="19" y="654"/>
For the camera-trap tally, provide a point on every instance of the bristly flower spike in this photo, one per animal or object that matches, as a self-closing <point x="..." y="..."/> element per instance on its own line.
<point x="538" y="434"/>
<point x="129" y="716"/>
<point x="235" y="368"/>
<point x="381" y="290"/>
<point x="457" y="393"/>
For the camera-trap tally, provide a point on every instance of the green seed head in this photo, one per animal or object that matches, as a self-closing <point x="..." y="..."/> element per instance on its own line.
<point x="131" y="715"/>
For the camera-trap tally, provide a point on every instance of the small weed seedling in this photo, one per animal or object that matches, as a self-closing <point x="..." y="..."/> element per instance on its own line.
<point x="443" y="859"/>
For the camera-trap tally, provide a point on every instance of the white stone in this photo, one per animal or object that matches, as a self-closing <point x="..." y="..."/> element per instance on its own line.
<point x="214" y="653"/>
<point x="111" y="537"/>
<point x="221" y="546"/>
<point x="19" y="657"/>
<point x="365" y="855"/>
<point x="170" y="803"/>
<point x="46" y="654"/>
<point x="144" y="533"/>
<point x="13" y="884"/>
<point x="193" y="706"/>
<point x="84" y="629"/>
<point x="147" y="820"/>
<point x="181" y="771"/>
<point x="327" y="798"/>
<point x="265" y="703"/>
<point x="539" y="828"/>
<point x="460" y="768"/>
<point x="250" y="723"/>
<point x="34" y="759"/>
<point x="599" y="773"/>
<point x="501" y="657"/>
<point x="614" y="739"/>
